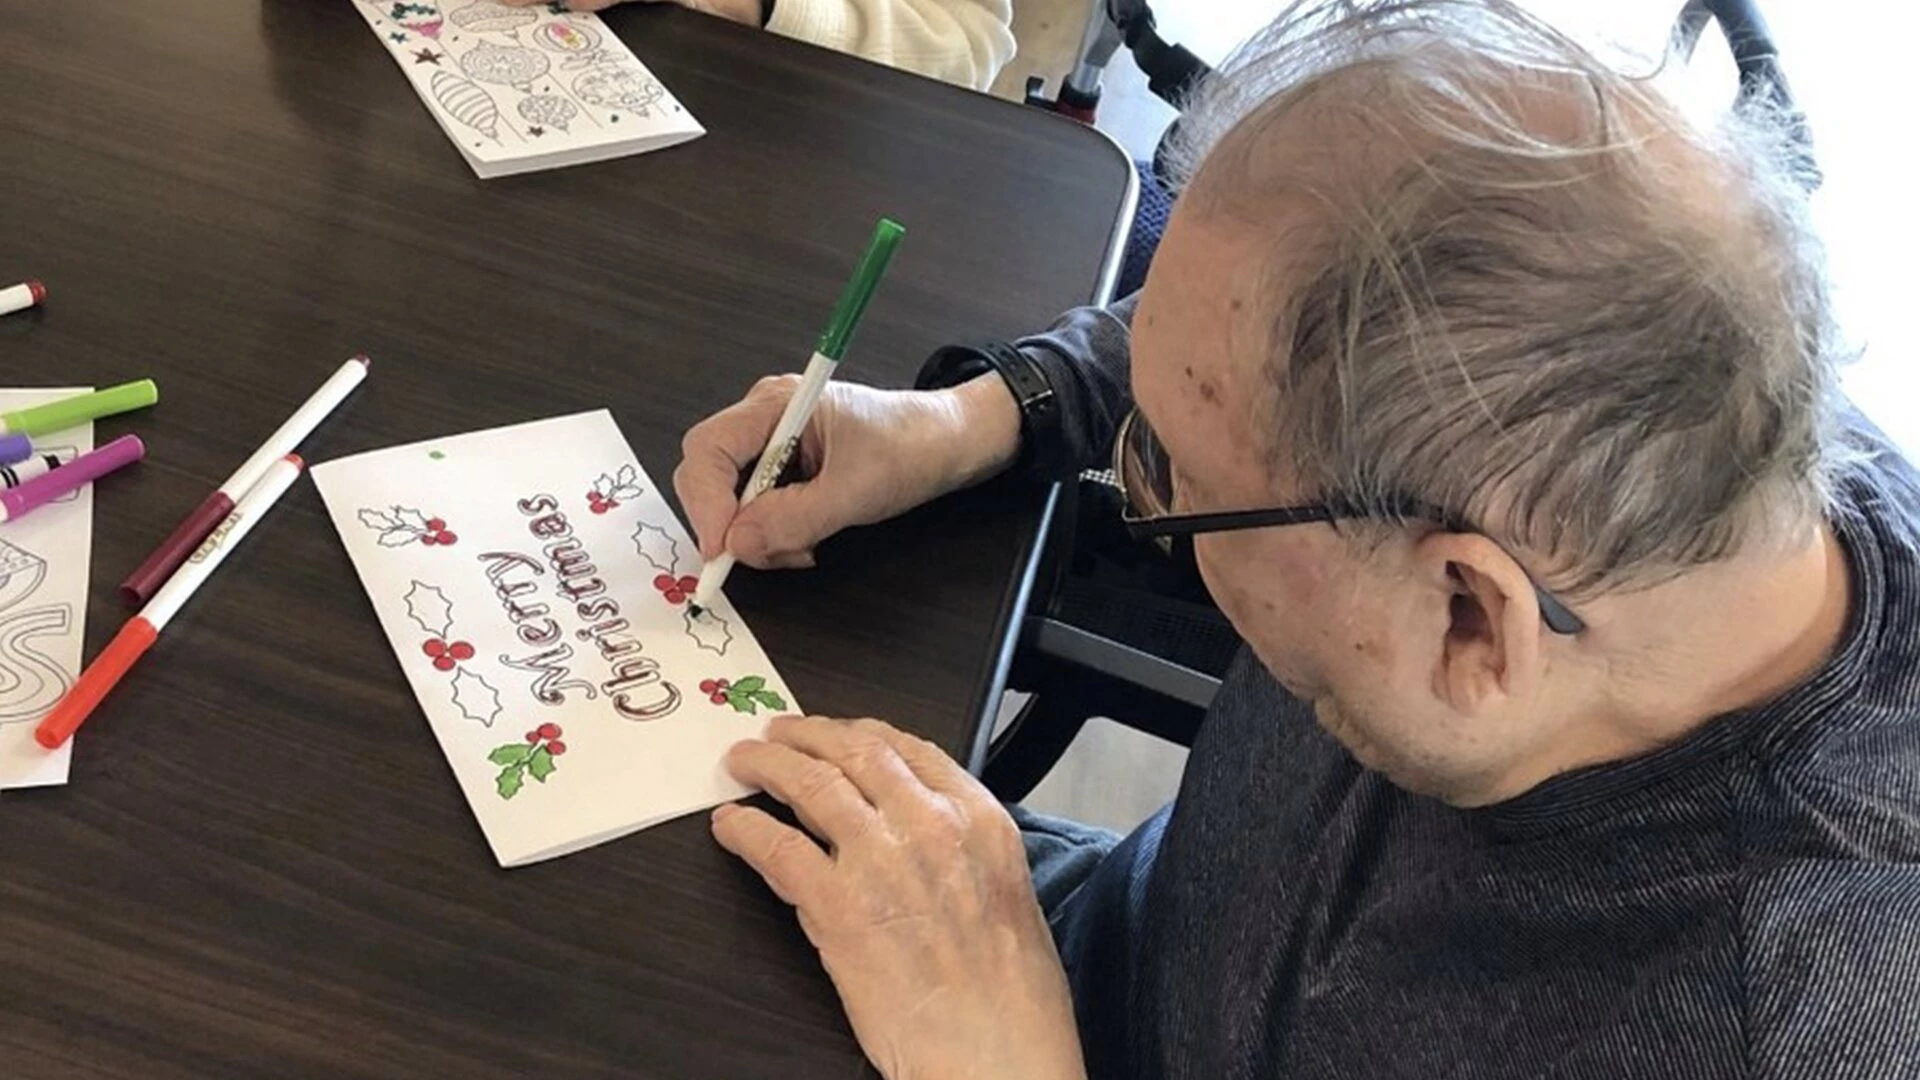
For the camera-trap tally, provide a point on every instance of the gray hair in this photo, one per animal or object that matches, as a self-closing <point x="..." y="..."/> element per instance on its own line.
<point x="1531" y="294"/>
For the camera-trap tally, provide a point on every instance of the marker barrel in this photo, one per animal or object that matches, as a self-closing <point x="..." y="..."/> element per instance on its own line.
<point x="21" y="297"/>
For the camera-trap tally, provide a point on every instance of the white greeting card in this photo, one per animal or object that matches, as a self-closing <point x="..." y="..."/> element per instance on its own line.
<point x="519" y="89"/>
<point x="535" y="586"/>
<point x="44" y="559"/>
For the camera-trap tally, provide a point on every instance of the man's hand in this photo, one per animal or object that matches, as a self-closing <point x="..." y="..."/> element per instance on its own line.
<point x="867" y="456"/>
<point x="919" y="903"/>
<point x="740" y="11"/>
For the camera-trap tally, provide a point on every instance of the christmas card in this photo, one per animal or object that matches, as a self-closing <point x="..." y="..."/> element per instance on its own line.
<point x="44" y="559"/>
<point x="535" y="586"/>
<point x="519" y="89"/>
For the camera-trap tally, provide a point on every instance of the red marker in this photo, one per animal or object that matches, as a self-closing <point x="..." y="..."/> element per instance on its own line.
<point x="141" y="631"/>
<point x="21" y="297"/>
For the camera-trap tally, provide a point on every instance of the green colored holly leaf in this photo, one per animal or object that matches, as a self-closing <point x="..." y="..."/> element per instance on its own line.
<point x="750" y="684"/>
<point x="510" y="754"/>
<point x="770" y="699"/>
<point x="510" y="780"/>
<point x="740" y="702"/>
<point x="541" y="764"/>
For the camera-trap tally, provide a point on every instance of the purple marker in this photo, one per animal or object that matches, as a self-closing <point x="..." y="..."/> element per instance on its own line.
<point x="15" y="448"/>
<point x="72" y="476"/>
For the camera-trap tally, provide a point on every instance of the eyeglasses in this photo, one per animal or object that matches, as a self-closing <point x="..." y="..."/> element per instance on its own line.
<point x="1146" y="480"/>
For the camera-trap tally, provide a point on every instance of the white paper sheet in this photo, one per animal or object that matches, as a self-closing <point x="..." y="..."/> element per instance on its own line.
<point x="519" y="89"/>
<point x="44" y="562"/>
<point x="533" y="575"/>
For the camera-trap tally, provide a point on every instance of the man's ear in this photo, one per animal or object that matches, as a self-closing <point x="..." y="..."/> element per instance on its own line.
<point x="1491" y="652"/>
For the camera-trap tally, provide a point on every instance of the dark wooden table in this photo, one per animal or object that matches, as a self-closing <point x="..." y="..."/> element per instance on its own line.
<point x="262" y="867"/>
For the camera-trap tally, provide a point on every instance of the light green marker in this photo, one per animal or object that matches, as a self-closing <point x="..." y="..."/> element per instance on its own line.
<point x="74" y="411"/>
<point x="827" y="354"/>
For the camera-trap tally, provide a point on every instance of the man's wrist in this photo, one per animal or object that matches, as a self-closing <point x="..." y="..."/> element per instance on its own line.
<point x="985" y="434"/>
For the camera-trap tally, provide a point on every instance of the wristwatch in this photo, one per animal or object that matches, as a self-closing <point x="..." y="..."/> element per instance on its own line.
<point x="1042" y="445"/>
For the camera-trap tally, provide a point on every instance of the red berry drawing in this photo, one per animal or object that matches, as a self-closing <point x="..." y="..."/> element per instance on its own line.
<point x="430" y="539"/>
<point x="446" y="656"/>
<point x="748" y="695"/>
<point x="436" y="524"/>
<point x="533" y="758"/>
<point x="676" y="590"/>
<point x="447" y="538"/>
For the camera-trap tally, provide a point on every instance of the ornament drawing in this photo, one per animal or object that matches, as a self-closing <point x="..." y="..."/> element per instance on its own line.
<point x="612" y="87"/>
<point x="505" y="65"/>
<point x="490" y="16"/>
<point x="578" y="45"/>
<point x="467" y="103"/>
<point x="548" y="110"/>
<point x="423" y="19"/>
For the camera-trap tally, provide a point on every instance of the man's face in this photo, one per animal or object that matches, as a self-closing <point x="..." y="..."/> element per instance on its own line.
<point x="1326" y="616"/>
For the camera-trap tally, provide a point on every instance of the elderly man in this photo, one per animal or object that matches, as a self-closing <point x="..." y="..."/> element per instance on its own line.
<point x="1578" y="733"/>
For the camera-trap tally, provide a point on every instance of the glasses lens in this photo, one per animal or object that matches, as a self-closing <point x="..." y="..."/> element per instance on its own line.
<point x="1145" y="473"/>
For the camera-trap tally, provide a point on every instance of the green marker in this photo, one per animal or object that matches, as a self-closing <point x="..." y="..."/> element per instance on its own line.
<point x="827" y="354"/>
<point x="74" y="411"/>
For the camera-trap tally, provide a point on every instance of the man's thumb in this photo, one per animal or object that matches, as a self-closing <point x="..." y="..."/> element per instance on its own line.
<point x="785" y="521"/>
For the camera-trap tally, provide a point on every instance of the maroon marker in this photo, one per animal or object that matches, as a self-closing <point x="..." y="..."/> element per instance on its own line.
<point x="187" y="537"/>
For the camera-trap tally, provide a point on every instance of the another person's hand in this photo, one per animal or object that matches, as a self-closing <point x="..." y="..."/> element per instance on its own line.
<point x="740" y="11"/>
<point x="868" y="455"/>
<point x="920" y="902"/>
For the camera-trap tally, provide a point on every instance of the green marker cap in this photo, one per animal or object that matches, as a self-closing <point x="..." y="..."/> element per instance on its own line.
<point x="74" y="411"/>
<point x="859" y="290"/>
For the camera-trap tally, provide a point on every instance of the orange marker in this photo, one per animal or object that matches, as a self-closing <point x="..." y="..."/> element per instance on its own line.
<point x="141" y="631"/>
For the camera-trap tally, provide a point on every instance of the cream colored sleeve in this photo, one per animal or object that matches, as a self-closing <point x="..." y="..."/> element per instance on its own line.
<point x="959" y="41"/>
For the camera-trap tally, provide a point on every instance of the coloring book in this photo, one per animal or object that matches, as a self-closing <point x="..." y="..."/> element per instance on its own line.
<point x="519" y="89"/>
<point x="534" y="585"/>
<point x="44" y="560"/>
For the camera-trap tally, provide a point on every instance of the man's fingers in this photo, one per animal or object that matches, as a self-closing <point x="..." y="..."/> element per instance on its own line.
<point x="858" y="750"/>
<point x="790" y="863"/>
<point x="827" y="802"/>
<point x="782" y="523"/>
<point x="934" y="767"/>
<point x="713" y="455"/>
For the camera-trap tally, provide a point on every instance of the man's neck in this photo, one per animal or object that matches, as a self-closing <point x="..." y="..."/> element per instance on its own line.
<point x="1738" y="635"/>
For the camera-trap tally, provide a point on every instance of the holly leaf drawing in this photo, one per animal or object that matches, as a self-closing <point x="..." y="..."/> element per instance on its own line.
<point x="430" y="609"/>
<point x="378" y="520"/>
<point x="510" y="754"/>
<point x="750" y="684"/>
<point x="661" y="551"/>
<point x="509" y="781"/>
<point x="626" y="483"/>
<point x="540" y="765"/>
<point x="399" y="537"/>
<point x="709" y="631"/>
<point x="770" y="699"/>
<point x="476" y="698"/>
<point x="742" y="703"/>
<point x="410" y="519"/>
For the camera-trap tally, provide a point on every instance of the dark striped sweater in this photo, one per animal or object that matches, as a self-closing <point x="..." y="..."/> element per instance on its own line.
<point x="1742" y="903"/>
